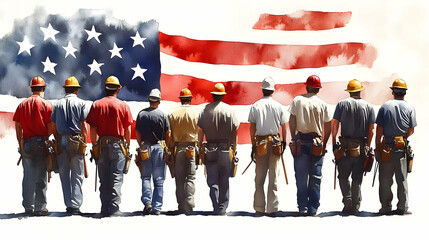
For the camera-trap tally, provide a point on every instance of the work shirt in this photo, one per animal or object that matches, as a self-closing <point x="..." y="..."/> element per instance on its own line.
<point x="355" y="116"/>
<point x="68" y="114"/>
<point x="311" y="112"/>
<point x="110" y="116"/>
<point x="218" y="121"/>
<point x="268" y="115"/>
<point x="396" y="117"/>
<point x="183" y="123"/>
<point x="34" y="114"/>
<point x="152" y="124"/>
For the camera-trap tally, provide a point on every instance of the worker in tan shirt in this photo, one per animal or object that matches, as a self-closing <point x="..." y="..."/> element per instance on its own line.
<point x="184" y="137"/>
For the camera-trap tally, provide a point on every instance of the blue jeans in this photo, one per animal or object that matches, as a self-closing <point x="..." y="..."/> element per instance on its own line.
<point x="218" y="168"/>
<point x="154" y="168"/>
<point x="110" y="170"/>
<point x="70" y="165"/>
<point x="34" y="183"/>
<point x="308" y="175"/>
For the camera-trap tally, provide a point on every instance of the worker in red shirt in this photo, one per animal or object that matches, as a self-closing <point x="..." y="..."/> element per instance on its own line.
<point x="110" y="120"/>
<point x="32" y="118"/>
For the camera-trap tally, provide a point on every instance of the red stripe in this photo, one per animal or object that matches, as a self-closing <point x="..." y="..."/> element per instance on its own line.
<point x="279" y="56"/>
<point x="303" y="20"/>
<point x="246" y="93"/>
<point x="6" y="123"/>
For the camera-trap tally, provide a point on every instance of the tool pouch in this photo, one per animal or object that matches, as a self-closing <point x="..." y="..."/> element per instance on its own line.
<point x="339" y="153"/>
<point x="51" y="157"/>
<point x="410" y="156"/>
<point x="386" y="153"/>
<point x="73" y="143"/>
<point x="143" y="152"/>
<point x="96" y="150"/>
<point x="128" y="158"/>
<point x="295" y="148"/>
<point x="82" y="145"/>
<point x="369" y="159"/>
<point x="234" y="163"/>
<point x="202" y="154"/>
<point x="353" y="148"/>
<point x="317" y="148"/>
<point x="261" y="148"/>
<point x="138" y="160"/>
<point x="190" y="152"/>
<point x="399" y="142"/>
<point x="277" y="148"/>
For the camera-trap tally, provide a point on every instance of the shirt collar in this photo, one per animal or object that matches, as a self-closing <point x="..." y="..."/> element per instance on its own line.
<point x="68" y="95"/>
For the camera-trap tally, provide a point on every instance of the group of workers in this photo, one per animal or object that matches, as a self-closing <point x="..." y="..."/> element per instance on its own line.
<point x="186" y="138"/>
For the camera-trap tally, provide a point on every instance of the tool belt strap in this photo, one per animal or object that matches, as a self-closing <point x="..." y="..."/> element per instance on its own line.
<point x="307" y="136"/>
<point x="110" y="139"/>
<point x="268" y="138"/>
<point x="185" y="144"/>
<point x="25" y="140"/>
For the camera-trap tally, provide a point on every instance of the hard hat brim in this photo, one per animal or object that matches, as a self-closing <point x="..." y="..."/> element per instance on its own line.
<point x="218" y="93"/>
<point x="268" y="88"/>
<point x="37" y="85"/>
<point x="399" y="88"/>
<point x="78" y="86"/>
<point x="189" y="96"/>
<point x="112" y="86"/>
<point x="355" y="90"/>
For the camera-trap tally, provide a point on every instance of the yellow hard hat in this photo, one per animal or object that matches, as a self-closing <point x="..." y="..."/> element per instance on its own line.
<point x="399" y="83"/>
<point x="354" y="86"/>
<point x="185" y="93"/>
<point x="71" y="82"/>
<point x="112" y="80"/>
<point x="37" y="81"/>
<point x="219" y="89"/>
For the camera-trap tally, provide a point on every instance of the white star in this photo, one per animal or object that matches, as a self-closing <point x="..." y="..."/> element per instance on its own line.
<point x="25" y="45"/>
<point x="70" y="50"/>
<point x="138" y="40"/>
<point x="49" y="66"/>
<point x="138" y="72"/>
<point x="95" y="66"/>
<point x="93" y="34"/>
<point x="115" y="51"/>
<point x="49" y="32"/>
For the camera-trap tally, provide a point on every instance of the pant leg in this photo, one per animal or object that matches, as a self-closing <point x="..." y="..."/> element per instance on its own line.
<point x="103" y="165"/>
<point x="64" y="172"/>
<point x="28" y="181"/>
<point x="76" y="180"/>
<point x="386" y="171"/>
<point x="315" y="179"/>
<point x="357" y="176"/>
<point x="262" y="163"/>
<point x="116" y="175"/>
<point x="213" y="177"/>
<point x="146" y="175"/>
<point x="301" y="167"/>
<point x="401" y="179"/>
<point x="345" y="166"/>
<point x="273" y="173"/>
<point x="224" y="166"/>
<point x="189" y="189"/>
<point x="158" y="175"/>
<point x="180" y="175"/>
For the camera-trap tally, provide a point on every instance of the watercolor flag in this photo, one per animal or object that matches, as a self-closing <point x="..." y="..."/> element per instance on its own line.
<point x="94" y="46"/>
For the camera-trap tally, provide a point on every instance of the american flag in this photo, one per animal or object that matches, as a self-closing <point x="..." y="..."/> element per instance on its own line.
<point x="93" y="46"/>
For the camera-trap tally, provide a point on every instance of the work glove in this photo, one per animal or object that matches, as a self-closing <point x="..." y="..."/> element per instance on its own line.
<point x="283" y="146"/>
<point x="252" y="154"/>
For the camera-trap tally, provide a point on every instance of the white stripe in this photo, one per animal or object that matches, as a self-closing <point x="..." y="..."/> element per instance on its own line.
<point x="256" y="73"/>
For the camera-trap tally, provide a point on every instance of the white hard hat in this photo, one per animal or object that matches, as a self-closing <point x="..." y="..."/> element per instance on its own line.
<point x="154" y="95"/>
<point x="268" y="84"/>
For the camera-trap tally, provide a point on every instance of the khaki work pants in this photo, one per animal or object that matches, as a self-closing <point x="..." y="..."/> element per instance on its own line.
<point x="266" y="164"/>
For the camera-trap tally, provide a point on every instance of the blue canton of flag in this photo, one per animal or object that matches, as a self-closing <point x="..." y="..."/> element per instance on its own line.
<point x="90" y="45"/>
